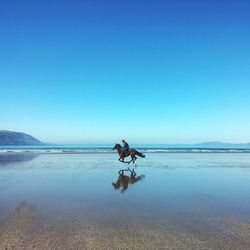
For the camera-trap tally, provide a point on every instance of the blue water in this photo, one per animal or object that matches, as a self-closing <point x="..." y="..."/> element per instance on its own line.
<point x="174" y="184"/>
<point x="138" y="146"/>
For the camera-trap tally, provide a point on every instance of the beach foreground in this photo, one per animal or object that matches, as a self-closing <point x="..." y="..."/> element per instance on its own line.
<point x="67" y="201"/>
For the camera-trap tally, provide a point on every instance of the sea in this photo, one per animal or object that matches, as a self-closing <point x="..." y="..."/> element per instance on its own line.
<point x="200" y="192"/>
<point x="107" y="148"/>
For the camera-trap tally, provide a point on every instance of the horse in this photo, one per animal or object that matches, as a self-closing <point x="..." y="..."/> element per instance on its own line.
<point x="123" y="180"/>
<point x="130" y="152"/>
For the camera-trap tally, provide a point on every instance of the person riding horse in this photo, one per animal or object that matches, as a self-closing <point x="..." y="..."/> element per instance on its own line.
<point x="125" y="147"/>
<point x="125" y="151"/>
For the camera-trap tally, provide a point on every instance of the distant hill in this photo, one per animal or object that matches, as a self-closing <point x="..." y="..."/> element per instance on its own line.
<point x="11" y="138"/>
<point x="221" y="144"/>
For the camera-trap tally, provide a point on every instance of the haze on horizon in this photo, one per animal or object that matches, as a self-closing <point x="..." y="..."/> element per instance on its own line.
<point x="147" y="71"/>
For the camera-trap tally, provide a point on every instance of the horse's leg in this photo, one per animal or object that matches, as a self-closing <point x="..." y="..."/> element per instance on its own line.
<point x="122" y="160"/>
<point x="134" y="159"/>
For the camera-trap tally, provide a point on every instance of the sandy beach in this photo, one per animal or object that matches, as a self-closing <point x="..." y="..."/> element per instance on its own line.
<point x="24" y="230"/>
<point x="185" y="201"/>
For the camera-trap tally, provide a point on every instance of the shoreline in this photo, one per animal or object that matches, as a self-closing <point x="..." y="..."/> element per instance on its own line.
<point x="100" y="151"/>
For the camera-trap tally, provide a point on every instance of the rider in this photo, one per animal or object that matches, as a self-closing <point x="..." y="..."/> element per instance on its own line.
<point x="125" y="147"/>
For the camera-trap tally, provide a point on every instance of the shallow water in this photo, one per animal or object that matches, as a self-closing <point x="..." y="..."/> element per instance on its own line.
<point x="196" y="193"/>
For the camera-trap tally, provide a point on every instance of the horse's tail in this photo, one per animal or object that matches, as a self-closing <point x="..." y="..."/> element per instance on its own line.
<point x="140" y="154"/>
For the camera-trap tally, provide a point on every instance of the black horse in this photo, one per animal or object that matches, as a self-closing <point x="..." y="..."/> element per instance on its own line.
<point x="130" y="152"/>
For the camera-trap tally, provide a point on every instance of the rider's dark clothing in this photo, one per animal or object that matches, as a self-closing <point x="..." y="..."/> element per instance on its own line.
<point x="125" y="147"/>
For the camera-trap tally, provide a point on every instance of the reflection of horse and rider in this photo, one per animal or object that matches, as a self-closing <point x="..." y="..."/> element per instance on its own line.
<point x="125" y="151"/>
<point x="123" y="180"/>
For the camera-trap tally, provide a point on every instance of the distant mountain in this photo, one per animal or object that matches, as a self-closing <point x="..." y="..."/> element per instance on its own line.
<point x="11" y="138"/>
<point x="221" y="144"/>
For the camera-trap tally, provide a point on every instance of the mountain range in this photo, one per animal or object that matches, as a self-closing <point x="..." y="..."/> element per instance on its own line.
<point x="11" y="138"/>
<point x="221" y="144"/>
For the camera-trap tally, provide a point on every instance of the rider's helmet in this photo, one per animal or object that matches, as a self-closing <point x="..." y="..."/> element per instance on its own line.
<point x="123" y="140"/>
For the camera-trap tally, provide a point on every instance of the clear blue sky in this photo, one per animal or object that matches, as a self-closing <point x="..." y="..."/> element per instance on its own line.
<point x="147" y="71"/>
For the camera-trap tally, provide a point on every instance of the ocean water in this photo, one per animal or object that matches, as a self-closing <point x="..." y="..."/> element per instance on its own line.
<point x="107" y="148"/>
<point x="192" y="191"/>
<point x="218" y="180"/>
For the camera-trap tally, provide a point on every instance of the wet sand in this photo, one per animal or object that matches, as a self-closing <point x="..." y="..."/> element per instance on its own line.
<point x="55" y="202"/>
<point x="23" y="229"/>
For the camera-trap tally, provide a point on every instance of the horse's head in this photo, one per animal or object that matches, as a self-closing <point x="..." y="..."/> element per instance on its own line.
<point x="116" y="185"/>
<point x="117" y="147"/>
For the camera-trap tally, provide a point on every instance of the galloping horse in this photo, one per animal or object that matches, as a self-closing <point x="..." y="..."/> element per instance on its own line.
<point x="130" y="152"/>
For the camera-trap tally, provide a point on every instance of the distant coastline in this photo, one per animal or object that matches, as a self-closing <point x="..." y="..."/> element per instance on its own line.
<point x="19" y="142"/>
<point x="103" y="149"/>
<point x="13" y="138"/>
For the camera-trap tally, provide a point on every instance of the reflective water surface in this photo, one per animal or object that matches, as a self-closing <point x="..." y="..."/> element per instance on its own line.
<point x="199" y="194"/>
